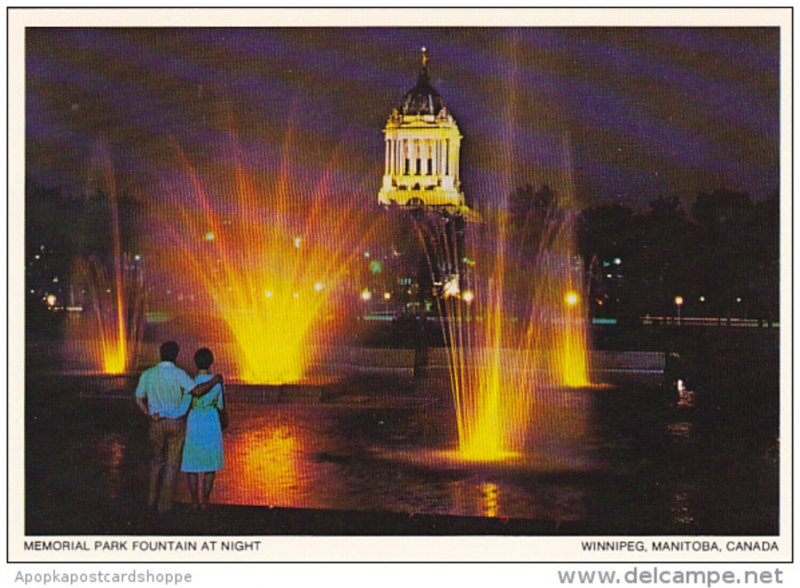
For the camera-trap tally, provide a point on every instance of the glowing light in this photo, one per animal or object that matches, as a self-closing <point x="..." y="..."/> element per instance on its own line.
<point x="490" y="492"/>
<point x="678" y="300"/>
<point x="451" y="287"/>
<point x="116" y="320"/>
<point x="387" y="295"/>
<point x="702" y="299"/>
<point x="617" y="261"/>
<point x="468" y="296"/>
<point x="51" y="300"/>
<point x="366" y="295"/>
<point x="209" y="236"/>
<point x="288" y="239"/>
<point x="738" y="299"/>
<point x="571" y="298"/>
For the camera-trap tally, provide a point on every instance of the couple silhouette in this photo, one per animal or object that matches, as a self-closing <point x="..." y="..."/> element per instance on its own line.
<point x="185" y="432"/>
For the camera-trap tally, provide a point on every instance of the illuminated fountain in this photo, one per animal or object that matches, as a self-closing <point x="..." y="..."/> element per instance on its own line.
<point x="114" y="286"/>
<point x="115" y="313"/>
<point x="270" y="261"/>
<point x="509" y="288"/>
<point x="512" y="307"/>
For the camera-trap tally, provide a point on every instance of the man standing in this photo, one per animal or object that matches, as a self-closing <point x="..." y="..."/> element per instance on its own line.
<point x="164" y="394"/>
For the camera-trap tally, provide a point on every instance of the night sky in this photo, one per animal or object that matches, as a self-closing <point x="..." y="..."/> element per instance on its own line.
<point x="648" y="112"/>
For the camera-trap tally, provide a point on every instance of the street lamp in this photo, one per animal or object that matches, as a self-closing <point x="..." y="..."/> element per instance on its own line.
<point x="678" y="304"/>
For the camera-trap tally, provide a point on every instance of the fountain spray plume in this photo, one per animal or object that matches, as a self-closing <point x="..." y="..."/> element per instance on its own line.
<point x="116" y="312"/>
<point x="511" y="305"/>
<point x="272" y="263"/>
<point x="469" y="273"/>
<point x="568" y="294"/>
<point x="117" y="301"/>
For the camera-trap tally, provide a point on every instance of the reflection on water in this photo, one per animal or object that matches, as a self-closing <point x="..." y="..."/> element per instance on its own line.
<point x="681" y="430"/>
<point x="608" y="459"/>
<point x="107" y="454"/>
<point x="490" y="493"/>
<point x="680" y="508"/>
<point x="266" y="466"/>
<point x="310" y="456"/>
<point x="268" y="459"/>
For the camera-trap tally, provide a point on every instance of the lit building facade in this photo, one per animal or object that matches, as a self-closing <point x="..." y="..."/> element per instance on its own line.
<point x="423" y="145"/>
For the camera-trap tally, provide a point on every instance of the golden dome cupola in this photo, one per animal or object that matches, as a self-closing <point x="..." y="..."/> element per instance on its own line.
<point x="422" y="150"/>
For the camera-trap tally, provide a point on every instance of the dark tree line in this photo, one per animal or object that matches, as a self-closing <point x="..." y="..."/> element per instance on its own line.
<point x="722" y="259"/>
<point x="61" y="228"/>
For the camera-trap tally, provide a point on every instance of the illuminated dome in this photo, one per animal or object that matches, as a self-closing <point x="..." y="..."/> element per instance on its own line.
<point x="422" y="149"/>
<point x="423" y="98"/>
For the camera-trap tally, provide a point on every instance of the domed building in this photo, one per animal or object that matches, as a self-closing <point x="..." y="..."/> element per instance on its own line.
<point x="422" y="151"/>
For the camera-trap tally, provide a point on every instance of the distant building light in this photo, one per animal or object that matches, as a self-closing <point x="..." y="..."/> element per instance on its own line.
<point x="738" y="299"/>
<point x="55" y="280"/>
<point x="296" y="295"/>
<point x="702" y="299"/>
<point x="468" y="296"/>
<point x="51" y="300"/>
<point x="366" y="254"/>
<point x="268" y="294"/>
<point x="451" y="287"/>
<point x="366" y="295"/>
<point x="210" y="236"/>
<point x="318" y="287"/>
<point x="617" y="261"/>
<point x="678" y="300"/>
<point x="137" y="257"/>
<point x="387" y="295"/>
<point x="297" y="242"/>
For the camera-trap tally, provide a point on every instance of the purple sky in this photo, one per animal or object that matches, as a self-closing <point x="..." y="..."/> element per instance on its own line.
<point x="649" y="112"/>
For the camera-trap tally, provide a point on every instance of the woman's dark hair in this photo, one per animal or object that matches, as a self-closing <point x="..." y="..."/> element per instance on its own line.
<point x="203" y="358"/>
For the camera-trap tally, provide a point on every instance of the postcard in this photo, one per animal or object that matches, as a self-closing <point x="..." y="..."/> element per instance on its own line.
<point x="400" y="285"/>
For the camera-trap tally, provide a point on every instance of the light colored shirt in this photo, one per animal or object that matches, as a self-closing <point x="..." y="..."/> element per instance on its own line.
<point x="166" y="387"/>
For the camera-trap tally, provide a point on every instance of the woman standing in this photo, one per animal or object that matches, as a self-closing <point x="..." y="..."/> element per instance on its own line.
<point x="202" y="450"/>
